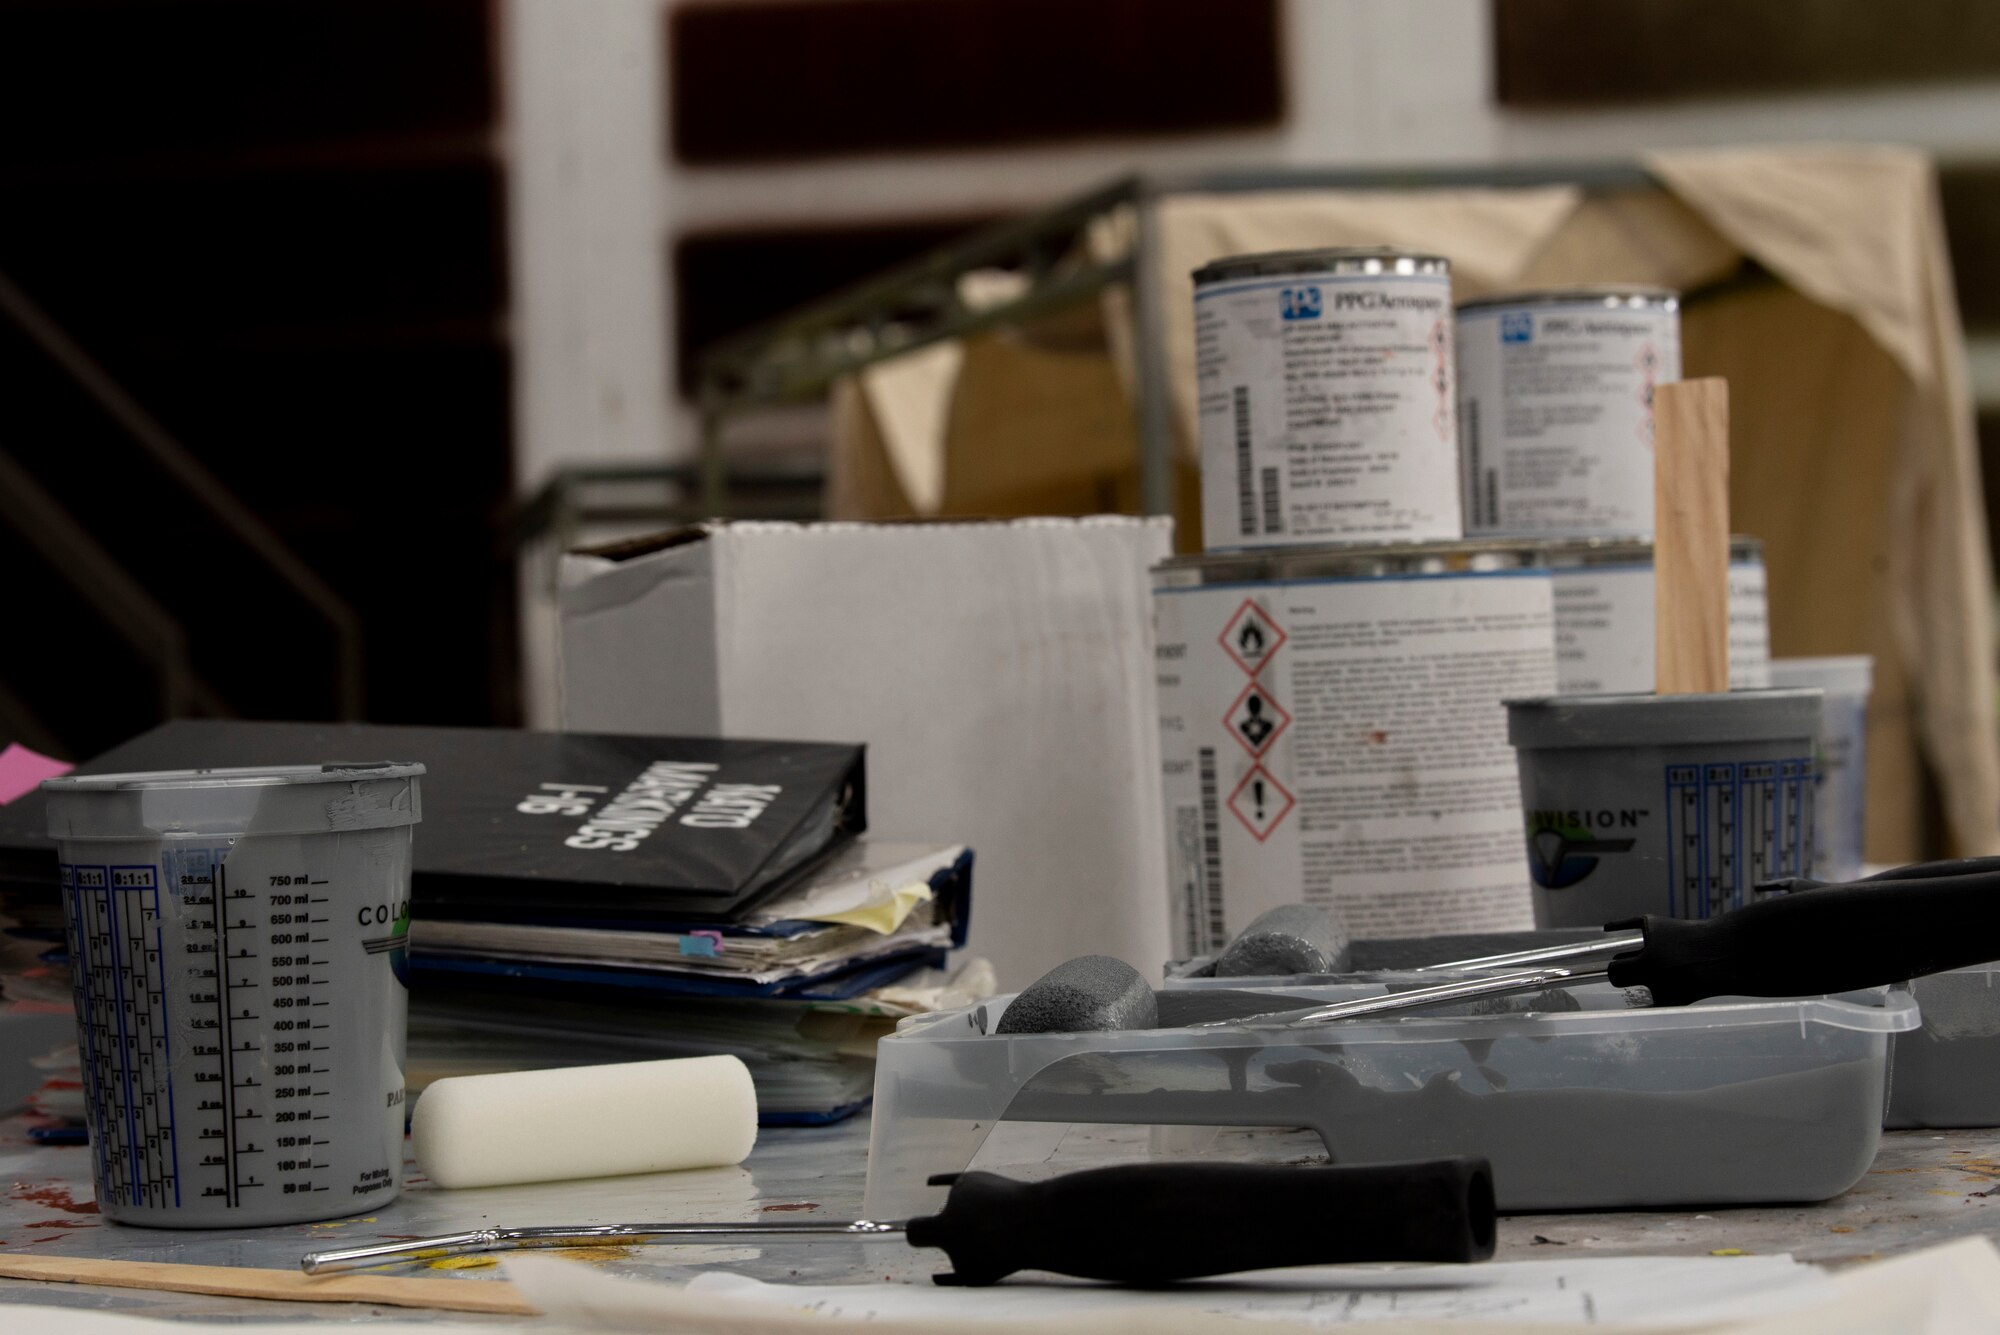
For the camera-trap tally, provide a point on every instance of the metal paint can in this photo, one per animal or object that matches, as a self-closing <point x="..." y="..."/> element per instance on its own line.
<point x="1667" y="804"/>
<point x="1604" y="616"/>
<point x="1332" y="732"/>
<point x="1326" y="405"/>
<point x="1556" y="409"/>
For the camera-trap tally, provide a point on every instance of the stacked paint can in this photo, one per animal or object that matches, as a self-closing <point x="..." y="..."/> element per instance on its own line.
<point x="1556" y="397"/>
<point x="1331" y="670"/>
<point x="1332" y="732"/>
<point x="1325" y="392"/>
<point x="1412" y="512"/>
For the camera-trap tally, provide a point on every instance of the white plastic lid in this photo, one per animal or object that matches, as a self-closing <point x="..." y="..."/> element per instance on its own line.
<point x="1846" y="674"/>
<point x="274" y="799"/>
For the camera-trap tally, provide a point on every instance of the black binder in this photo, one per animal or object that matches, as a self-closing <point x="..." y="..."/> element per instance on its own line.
<point x="546" y="826"/>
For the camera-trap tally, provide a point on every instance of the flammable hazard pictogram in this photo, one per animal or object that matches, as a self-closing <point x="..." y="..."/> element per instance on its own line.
<point x="1251" y="637"/>
<point x="1256" y="718"/>
<point x="1260" y="802"/>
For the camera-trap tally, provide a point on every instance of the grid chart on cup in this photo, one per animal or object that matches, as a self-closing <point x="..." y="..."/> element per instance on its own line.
<point x="1731" y="824"/>
<point x="118" y="979"/>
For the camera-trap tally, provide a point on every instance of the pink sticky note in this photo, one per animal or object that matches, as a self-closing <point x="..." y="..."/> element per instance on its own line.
<point x="21" y="769"/>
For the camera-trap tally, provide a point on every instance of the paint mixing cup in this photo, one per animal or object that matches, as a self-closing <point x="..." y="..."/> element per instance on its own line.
<point x="236" y="940"/>
<point x="1841" y="829"/>
<point x="1668" y="804"/>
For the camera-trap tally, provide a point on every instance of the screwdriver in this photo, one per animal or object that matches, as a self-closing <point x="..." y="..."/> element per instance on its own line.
<point x="1624" y="940"/>
<point x="1130" y="1223"/>
<point x="1901" y="924"/>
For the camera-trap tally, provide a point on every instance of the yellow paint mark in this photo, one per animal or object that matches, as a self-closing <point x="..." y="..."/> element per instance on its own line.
<point x="463" y="1263"/>
<point x="342" y="1223"/>
<point x="1729" y="1251"/>
<point x="1838" y="1228"/>
<point x="594" y="1255"/>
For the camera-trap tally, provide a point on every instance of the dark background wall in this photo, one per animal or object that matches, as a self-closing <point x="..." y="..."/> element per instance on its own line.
<point x="278" y="225"/>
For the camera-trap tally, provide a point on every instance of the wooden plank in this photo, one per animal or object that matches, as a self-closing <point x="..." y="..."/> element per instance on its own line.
<point x="447" y="1295"/>
<point x="1691" y="536"/>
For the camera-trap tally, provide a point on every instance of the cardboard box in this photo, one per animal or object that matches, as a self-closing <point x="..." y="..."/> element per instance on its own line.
<point x="1001" y="675"/>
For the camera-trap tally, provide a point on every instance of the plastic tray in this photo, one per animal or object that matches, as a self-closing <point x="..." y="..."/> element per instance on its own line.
<point x="1948" y="1072"/>
<point x="1603" y="1108"/>
<point x="1944" y="1074"/>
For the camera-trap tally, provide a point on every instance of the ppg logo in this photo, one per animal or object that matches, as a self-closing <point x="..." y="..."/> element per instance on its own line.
<point x="1299" y="303"/>
<point x="1517" y="327"/>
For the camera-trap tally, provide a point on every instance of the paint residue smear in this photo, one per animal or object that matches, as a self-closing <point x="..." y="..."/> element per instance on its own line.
<point x="796" y="1205"/>
<point x="52" y="1197"/>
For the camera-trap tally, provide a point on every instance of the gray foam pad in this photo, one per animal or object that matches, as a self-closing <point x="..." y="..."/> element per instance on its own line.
<point x="1085" y="995"/>
<point x="1289" y="939"/>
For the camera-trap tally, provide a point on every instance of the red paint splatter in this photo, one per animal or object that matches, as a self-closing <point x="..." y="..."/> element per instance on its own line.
<point x="52" y="1197"/>
<point x="797" y="1205"/>
<point x="59" y="1223"/>
<point x="1378" y="737"/>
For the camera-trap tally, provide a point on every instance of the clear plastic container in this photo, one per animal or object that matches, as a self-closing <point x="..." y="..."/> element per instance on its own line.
<point x="1606" y="1107"/>
<point x="1948" y="1072"/>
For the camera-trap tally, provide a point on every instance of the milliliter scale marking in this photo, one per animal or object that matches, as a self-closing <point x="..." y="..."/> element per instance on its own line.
<point x="262" y="1054"/>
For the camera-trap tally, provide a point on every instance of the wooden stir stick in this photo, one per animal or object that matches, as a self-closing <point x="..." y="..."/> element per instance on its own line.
<point x="1691" y="537"/>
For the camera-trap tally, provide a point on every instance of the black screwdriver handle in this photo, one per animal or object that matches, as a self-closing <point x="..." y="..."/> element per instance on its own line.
<point x="1156" y="1223"/>
<point x="1832" y="939"/>
<point x="1926" y="871"/>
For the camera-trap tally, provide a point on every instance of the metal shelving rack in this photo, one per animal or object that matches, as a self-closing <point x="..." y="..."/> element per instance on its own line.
<point x="797" y="358"/>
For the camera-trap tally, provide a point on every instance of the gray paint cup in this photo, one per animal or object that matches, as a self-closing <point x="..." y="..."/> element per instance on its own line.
<point x="237" y="944"/>
<point x="1840" y="837"/>
<point x="1666" y="804"/>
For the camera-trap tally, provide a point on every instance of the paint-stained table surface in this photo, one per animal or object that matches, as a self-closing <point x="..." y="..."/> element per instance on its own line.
<point x="1925" y="1187"/>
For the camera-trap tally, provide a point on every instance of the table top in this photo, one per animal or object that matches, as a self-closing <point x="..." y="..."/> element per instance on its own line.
<point x="1925" y="1187"/>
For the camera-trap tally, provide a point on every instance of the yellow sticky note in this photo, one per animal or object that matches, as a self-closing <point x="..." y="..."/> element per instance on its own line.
<point x="886" y="914"/>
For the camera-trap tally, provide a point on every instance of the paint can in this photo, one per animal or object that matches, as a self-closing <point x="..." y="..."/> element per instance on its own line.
<point x="1840" y="836"/>
<point x="1667" y="804"/>
<point x="1556" y="409"/>
<point x="1604" y="616"/>
<point x="1325" y="391"/>
<point x="1332" y="732"/>
<point x="237" y="956"/>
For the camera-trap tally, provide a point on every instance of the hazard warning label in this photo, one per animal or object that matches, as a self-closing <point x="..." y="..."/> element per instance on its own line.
<point x="1260" y="802"/>
<point x="1251" y="637"/>
<point x="1256" y="718"/>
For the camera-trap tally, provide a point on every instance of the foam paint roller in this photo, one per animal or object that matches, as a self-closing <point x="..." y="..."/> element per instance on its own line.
<point x="1289" y="939"/>
<point x="585" y="1121"/>
<point x="1089" y="994"/>
<point x="1131" y="1224"/>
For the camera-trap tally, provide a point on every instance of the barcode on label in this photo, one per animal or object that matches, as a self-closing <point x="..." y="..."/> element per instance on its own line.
<point x="1246" y="495"/>
<point x="1480" y="516"/>
<point x="1274" y="521"/>
<point x="1211" y="854"/>
<point x="1187" y="848"/>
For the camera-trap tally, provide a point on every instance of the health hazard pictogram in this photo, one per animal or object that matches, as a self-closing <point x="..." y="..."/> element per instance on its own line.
<point x="1260" y="802"/>
<point x="1256" y="719"/>
<point x="1251" y="637"/>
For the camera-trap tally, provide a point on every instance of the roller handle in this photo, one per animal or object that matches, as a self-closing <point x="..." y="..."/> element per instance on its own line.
<point x="1832" y="939"/>
<point x="1156" y="1223"/>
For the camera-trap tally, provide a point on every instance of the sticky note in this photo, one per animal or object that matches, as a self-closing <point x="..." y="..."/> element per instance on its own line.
<point x="21" y="769"/>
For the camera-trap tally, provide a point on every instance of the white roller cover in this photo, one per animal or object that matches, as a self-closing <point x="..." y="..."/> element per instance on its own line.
<point x="585" y="1121"/>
